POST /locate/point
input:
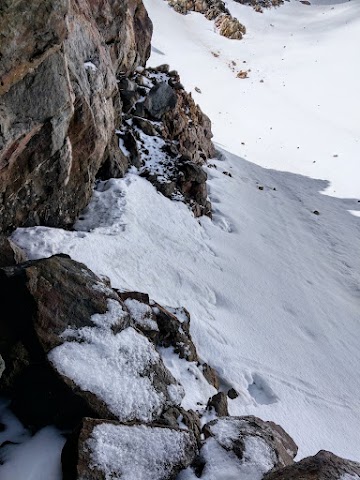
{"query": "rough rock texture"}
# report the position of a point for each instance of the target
(166, 135)
(163, 327)
(59, 101)
(323, 466)
(232, 432)
(227, 25)
(10, 253)
(100, 449)
(219, 403)
(55, 305)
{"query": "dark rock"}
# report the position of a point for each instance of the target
(10, 253)
(160, 100)
(232, 393)
(54, 304)
(281, 444)
(219, 403)
(323, 466)
(146, 126)
(100, 449)
(175, 415)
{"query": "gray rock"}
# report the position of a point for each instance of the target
(160, 100)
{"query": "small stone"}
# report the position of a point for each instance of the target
(232, 393)
(316, 212)
(197, 89)
(260, 187)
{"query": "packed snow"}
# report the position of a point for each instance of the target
(272, 282)
(137, 452)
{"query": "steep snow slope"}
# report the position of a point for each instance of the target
(305, 115)
(273, 289)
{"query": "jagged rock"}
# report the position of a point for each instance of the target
(230, 27)
(233, 434)
(59, 102)
(178, 416)
(323, 466)
(69, 349)
(101, 449)
(10, 253)
(219, 403)
(165, 328)
(160, 100)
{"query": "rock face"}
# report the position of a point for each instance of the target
(101, 449)
(66, 339)
(166, 135)
(59, 101)
(323, 466)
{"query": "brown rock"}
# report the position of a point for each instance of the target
(219, 403)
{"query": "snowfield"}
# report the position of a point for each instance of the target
(272, 283)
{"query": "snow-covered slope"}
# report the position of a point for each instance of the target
(273, 288)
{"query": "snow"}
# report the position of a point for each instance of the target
(112, 449)
(197, 389)
(113, 367)
(90, 66)
(272, 289)
(220, 463)
(141, 313)
(27, 457)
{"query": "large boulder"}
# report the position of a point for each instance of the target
(323, 466)
(10, 253)
(70, 351)
(101, 449)
(59, 102)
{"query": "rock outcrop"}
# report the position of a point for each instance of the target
(227, 25)
(166, 135)
(67, 343)
(101, 449)
(323, 466)
(59, 101)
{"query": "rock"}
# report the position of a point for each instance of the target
(232, 393)
(160, 100)
(219, 403)
(101, 449)
(230, 27)
(178, 416)
(210, 375)
(59, 102)
(70, 350)
(10, 253)
(165, 328)
(323, 466)
(235, 433)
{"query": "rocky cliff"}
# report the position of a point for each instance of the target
(60, 102)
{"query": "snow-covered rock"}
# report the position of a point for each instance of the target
(108, 450)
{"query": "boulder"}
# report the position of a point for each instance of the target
(59, 102)
(219, 403)
(70, 351)
(160, 100)
(323, 466)
(233, 434)
(101, 449)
